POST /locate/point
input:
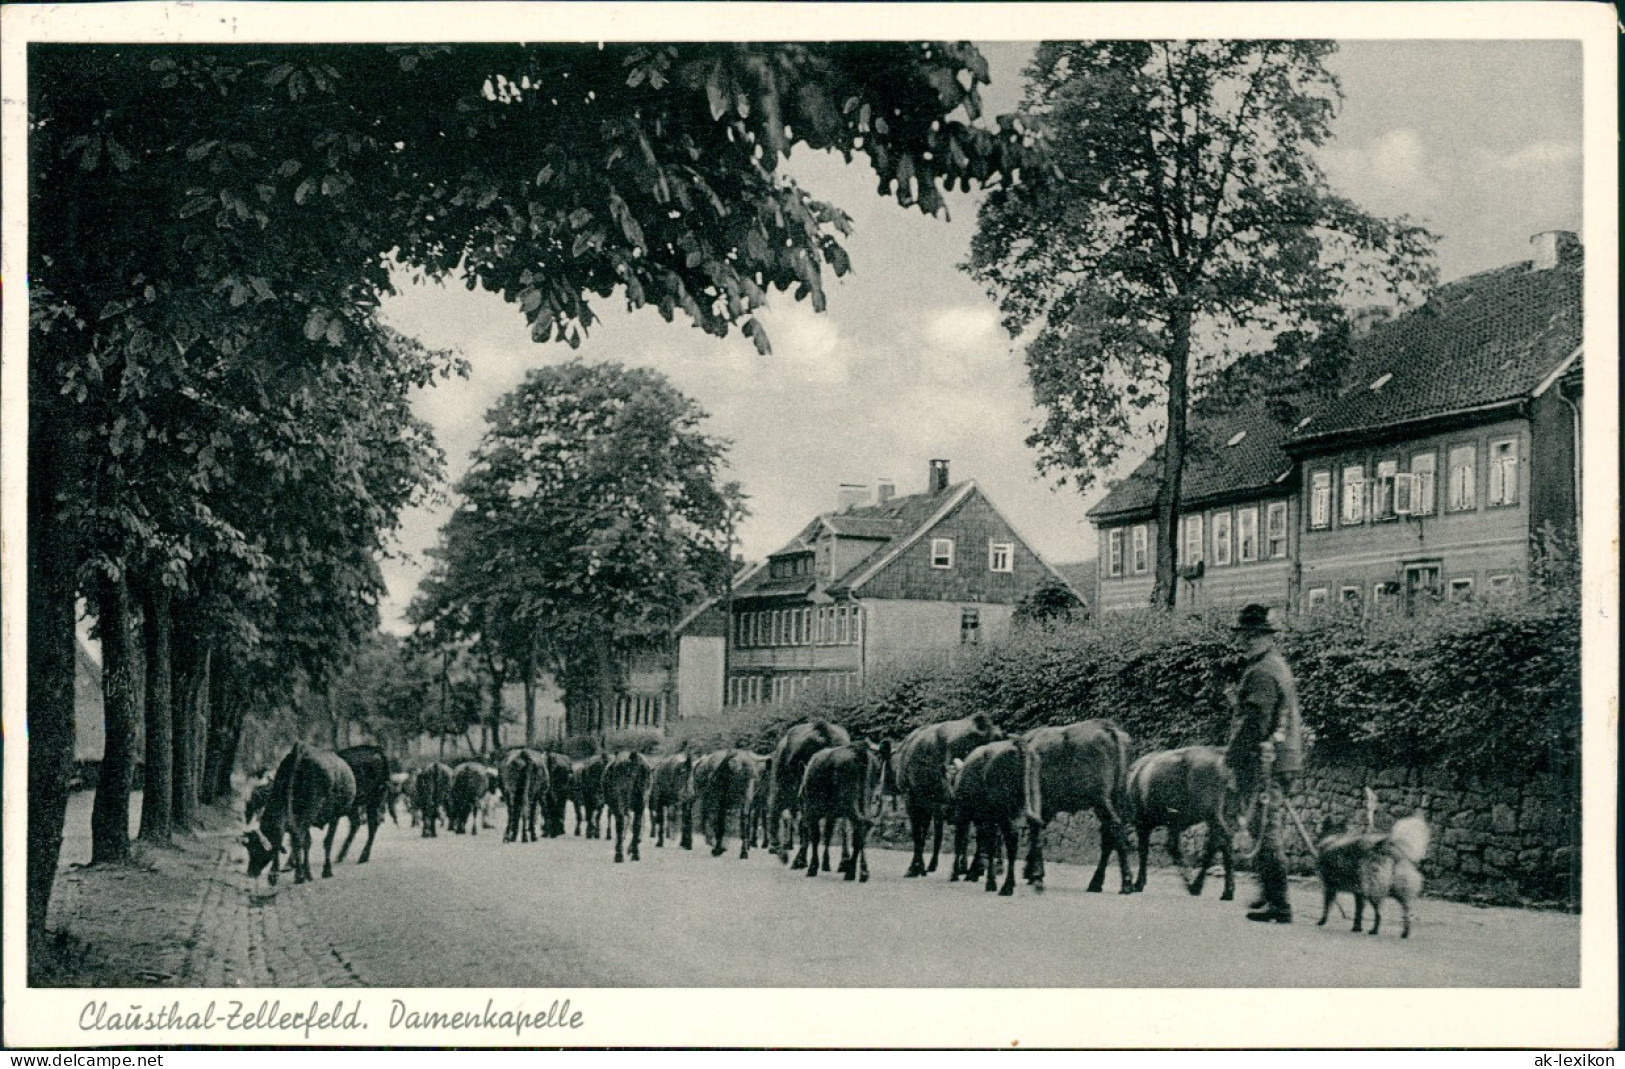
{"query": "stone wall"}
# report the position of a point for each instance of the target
(1491, 842)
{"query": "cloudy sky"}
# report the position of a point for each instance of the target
(1481, 141)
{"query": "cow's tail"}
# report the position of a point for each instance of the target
(1120, 788)
(721, 785)
(1031, 786)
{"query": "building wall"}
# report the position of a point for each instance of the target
(1553, 464)
(1129, 590)
(1477, 544)
(699, 675)
(1269, 580)
(972, 526)
(900, 630)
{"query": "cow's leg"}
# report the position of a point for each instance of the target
(851, 870)
(986, 842)
(936, 840)
(957, 867)
(1359, 911)
(637, 830)
(861, 854)
(374, 819)
(327, 846)
(355, 826)
(687, 817)
(1012, 846)
(975, 873)
(918, 818)
(846, 857)
(1328, 895)
(1376, 914)
(719, 842)
(657, 825)
(619, 819)
(1405, 917)
(1143, 842)
(810, 833)
(801, 847)
(1035, 855)
(1226, 836)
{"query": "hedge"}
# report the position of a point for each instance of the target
(1490, 689)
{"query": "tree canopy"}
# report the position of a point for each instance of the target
(1188, 216)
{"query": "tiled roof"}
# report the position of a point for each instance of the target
(887, 524)
(1488, 338)
(1081, 576)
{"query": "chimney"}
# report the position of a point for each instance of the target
(939, 477)
(1552, 247)
(852, 496)
(885, 490)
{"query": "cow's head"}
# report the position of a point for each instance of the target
(261, 853)
(986, 728)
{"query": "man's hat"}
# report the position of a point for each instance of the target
(1259, 618)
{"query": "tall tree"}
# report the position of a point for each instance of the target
(1186, 214)
(180, 194)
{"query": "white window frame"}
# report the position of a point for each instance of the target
(1505, 494)
(1318, 596)
(1141, 552)
(1244, 518)
(942, 553)
(1351, 510)
(1424, 481)
(1460, 585)
(1502, 585)
(1381, 598)
(1192, 554)
(1320, 499)
(1114, 553)
(1383, 490)
(1275, 544)
(1001, 556)
(1222, 528)
(1467, 487)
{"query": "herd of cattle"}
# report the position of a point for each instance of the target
(964, 773)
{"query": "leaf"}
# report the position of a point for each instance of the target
(198, 151)
(315, 324)
(196, 205)
(301, 194)
(278, 74)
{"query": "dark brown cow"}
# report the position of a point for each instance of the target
(1179, 789)
(525, 787)
(999, 788)
(560, 788)
(626, 793)
(432, 789)
(468, 785)
(370, 765)
(757, 835)
(922, 778)
(1086, 769)
(588, 778)
(400, 786)
(313, 789)
(669, 796)
(731, 782)
(842, 783)
(790, 758)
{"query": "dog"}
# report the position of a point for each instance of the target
(1373, 866)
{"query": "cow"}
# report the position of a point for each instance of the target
(370, 766)
(1179, 789)
(312, 789)
(921, 777)
(732, 781)
(669, 796)
(588, 777)
(525, 786)
(468, 784)
(626, 793)
(1086, 768)
(258, 795)
(757, 807)
(790, 758)
(431, 789)
(561, 786)
(400, 785)
(999, 787)
(842, 783)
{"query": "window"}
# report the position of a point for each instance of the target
(1317, 598)
(1350, 598)
(1001, 556)
(843, 628)
(1382, 596)
(798, 628)
(1247, 534)
(1275, 530)
(1320, 499)
(1504, 472)
(1114, 551)
(1142, 549)
(1192, 553)
(1423, 466)
(942, 553)
(807, 625)
(970, 627)
(1502, 585)
(1463, 468)
(1422, 585)
(1461, 589)
(1353, 510)
(1221, 538)
(1382, 491)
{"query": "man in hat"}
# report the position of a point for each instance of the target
(1266, 749)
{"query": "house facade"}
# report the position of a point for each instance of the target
(1451, 446)
(878, 583)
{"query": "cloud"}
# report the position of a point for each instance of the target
(1392, 170)
(1539, 155)
(807, 347)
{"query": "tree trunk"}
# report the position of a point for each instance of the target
(110, 814)
(52, 646)
(529, 670)
(157, 789)
(193, 660)
(605, 683)
(1166, 589)
(224, 702)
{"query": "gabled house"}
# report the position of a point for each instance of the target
(1450, 445)
(876, 583)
